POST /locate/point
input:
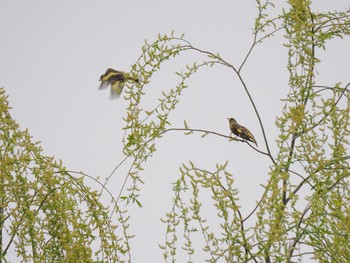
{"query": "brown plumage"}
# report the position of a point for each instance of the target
(241, 131)
(116, 79)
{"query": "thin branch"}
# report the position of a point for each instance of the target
(257, 41)
(225, 63)
(189, 130)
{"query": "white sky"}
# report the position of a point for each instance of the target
(53, 52)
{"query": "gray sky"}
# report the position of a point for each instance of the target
(53, 52)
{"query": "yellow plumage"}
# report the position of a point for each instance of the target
(116, 79)
(241, 131)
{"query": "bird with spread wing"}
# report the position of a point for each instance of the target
(116, 79)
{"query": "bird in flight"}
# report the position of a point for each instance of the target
(241, 131)
(116, 79)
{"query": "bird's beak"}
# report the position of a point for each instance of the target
(228, 119)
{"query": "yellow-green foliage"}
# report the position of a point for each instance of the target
(48, 215)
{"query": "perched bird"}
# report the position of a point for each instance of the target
(116, 79)
(241, 131)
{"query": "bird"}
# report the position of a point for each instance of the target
(241, 131)
(116, 79)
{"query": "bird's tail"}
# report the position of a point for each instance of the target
(133, 79)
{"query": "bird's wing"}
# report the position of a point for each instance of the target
(108, 76)
(116, 88)
(243, 132)
(103, 85)
(110, 70)
(250, 136)
(240, 131)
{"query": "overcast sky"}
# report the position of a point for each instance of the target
(53, 52)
